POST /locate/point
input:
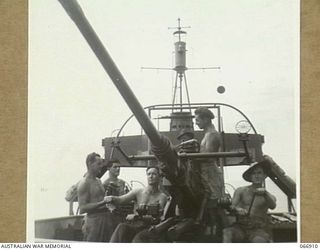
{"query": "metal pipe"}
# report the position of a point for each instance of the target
(207, 105)
(191, 155)
(210, 155)
(175, 90)
(187, 91)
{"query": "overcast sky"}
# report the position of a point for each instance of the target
(73, 104)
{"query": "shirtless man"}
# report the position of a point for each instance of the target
(251, 204)
(149, 206)
(91, 201)
(211, 141)
(211, 176)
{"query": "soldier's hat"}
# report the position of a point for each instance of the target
(247, 174)
(204, 112)
(184, 132)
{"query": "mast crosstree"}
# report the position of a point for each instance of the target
(179, 117)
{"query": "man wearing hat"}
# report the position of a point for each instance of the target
(210, 173)
(251, 204)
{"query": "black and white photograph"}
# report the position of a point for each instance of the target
(164, 121)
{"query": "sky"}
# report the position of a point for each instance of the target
(73, 104)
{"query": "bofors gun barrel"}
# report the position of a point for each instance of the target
(161, 146)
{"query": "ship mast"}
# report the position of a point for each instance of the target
(181, 116)
(180, 66)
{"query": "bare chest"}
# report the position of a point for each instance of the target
(204, 143)
(96, 191)
(248, 199)
(148, 199)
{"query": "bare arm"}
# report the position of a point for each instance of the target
(236, 202)
(271, 200)
(84, 199)
(124, 198)
(164, 205)
(163, 201)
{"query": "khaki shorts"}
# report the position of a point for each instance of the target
(97, 227)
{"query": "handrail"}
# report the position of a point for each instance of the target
(192, 106)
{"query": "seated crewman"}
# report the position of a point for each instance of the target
(251, 204)
(149, 206)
